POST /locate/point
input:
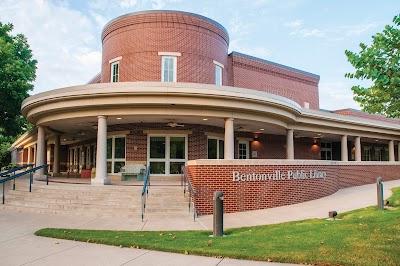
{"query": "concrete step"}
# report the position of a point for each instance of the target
(97, 201)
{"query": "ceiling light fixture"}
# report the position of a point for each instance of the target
(119, 118)
(205, 119)
(262, 129)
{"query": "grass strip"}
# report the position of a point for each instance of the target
(361, 237)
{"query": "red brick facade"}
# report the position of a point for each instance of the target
(254, 195)
(267, 146)
(356, 113)
(139, 37)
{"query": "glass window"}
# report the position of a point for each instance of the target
(175, 167)
(115, 154)
(168, 71)
(243, 150)
(378, 155)
(218, 75)
(115, 72)
(326, 151)
(157, 167)
(366, 154)
(215, 148)
(119, 148)
(157, 147)
(177, 148)
(212, 148)
(109, 148)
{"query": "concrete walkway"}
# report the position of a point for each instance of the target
(19, 246)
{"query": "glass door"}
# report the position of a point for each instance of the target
(167, 153)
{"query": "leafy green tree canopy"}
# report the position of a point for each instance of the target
(379, 62)
(17, 72)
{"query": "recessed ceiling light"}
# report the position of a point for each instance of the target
(205, 119)
(377, 140)
(261, 129)
(65, 139)
(119, 118)
(319, 134)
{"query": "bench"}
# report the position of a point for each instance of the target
(136, 170)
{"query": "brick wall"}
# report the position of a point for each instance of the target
(254, 195)
(138, 39)
(356, 113)
(256, 74)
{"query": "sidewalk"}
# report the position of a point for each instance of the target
(19, 246)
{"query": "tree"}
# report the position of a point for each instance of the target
(17, 72)
(379, 62)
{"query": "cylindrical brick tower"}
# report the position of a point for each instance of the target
(138, 41)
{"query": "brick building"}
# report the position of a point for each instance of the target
(169, 94)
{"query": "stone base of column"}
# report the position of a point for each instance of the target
(56, 174)
(100, 181)
(39, 177)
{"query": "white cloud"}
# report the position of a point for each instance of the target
(335, 95)
(64, 41)
(357, 30)
(128, 3)
(294, 24)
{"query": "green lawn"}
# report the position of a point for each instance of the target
(362, 237)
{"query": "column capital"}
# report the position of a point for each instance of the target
(102, 116)
(229, 119)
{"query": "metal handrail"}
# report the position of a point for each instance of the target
(145, 191)
(30, 171)
(13, 170)
(184, 180)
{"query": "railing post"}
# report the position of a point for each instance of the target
(47, 178)
(30, 182)
(3, 192)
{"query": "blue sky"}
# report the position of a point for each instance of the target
(309, 35)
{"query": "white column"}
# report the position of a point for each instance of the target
(289, 144)
(229, 142)
(40, 152)
(357, 141)
(345, 156)
(56, 166)
(398, 151)
(29, 155)
(391, 150)
(101, 154)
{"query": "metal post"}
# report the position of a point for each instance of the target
(3, 192)
(30, 182)
(379, 187)
(47, 178)
(218, 213)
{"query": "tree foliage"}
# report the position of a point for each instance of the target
(379, 62)
(17, 72)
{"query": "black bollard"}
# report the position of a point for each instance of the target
(218, 225)
(379, 188)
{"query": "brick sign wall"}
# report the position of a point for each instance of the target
(253, 187)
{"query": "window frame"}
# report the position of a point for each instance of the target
(366, 156)
(218, 145)
(325, 150)
(167, 152)
(112, 80)
(218, 75)
(174, 68)
(247, 149)
(114, 160)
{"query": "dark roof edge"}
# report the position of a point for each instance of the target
(276, 64)
(166, 12)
